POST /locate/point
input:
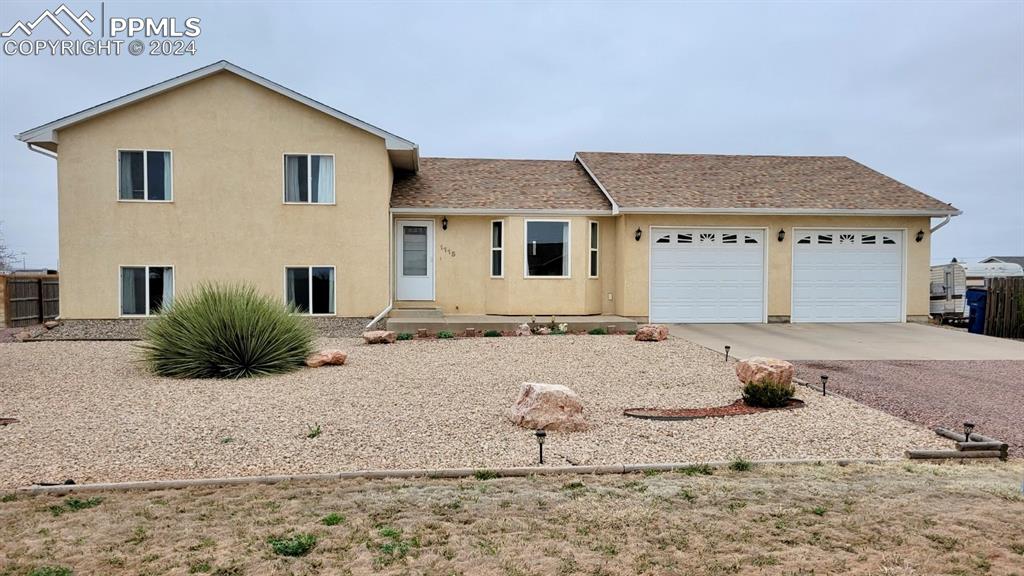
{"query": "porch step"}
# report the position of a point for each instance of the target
(424, 313)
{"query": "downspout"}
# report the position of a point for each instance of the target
(391, 267)
(941, 224)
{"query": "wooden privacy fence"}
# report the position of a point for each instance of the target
(29, 300)
(1004, 308)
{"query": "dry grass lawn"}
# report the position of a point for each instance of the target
(862, 519)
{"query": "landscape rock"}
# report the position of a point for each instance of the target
(50, 324)
(380, 337)
(760, 369)
(543, 331)
(22, 336)
(524, 330)
(326, 357)
(651, 333)
(548, 407)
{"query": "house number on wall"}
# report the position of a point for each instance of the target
(447, 250)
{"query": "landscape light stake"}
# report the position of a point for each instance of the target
(824, 381)
(540, 443)
(968, 429)
(727, 347)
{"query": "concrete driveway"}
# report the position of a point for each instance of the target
(849, 341)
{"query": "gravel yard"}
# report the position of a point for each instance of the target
(89, 412)
(132, 329)
(989, 393)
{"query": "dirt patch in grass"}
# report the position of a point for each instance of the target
(861, 519)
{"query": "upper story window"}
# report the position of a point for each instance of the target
(308, 179)
(144, 175)
(547, 248)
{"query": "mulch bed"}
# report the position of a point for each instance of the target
(737, 408)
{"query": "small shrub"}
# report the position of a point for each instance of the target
(485, 474)
(200, 567)
(445, 334)
(332, 519)
(73, 504)
(767, 394)
(51, 571)
(696, 470)
(226, 331)
(297, 545)
(404, 336)
(597, 331)
(740, 465)
(631, 332)
(819, 510)
(313, 431)
(492, 333)
(9, 497)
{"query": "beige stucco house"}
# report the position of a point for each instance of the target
(222, 175)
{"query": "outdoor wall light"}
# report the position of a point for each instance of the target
(968, 429)
(444, 223)
(920, 235)
(541, 435)
(638, 234)
(824, 381)
(782, 234)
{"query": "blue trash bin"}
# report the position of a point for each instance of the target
(976, 303)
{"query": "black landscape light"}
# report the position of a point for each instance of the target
(968, 429)
(920, 235)
(782, 234)
(638, 234)
(824, 381)
(444, 223)
(541, 435)
(727, 348)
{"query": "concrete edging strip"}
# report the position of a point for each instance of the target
(426, 473)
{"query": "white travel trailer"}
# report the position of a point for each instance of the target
(949, 284)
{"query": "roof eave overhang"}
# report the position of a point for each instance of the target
(795, 211)
(500, 211)
(406, 151)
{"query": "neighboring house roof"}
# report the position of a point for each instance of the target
(686, 183)
(472, 185)
(404, 153)
(1005, 259)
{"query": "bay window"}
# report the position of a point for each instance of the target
(547, 249)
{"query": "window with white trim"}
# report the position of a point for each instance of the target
(310, 289)
(497, 249)
(308, 179)
(594, 242)
(146, 290)
(547, 249)
(144, 175)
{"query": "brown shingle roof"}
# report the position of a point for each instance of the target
(755, 182)
(480, 184)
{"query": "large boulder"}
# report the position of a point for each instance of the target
(764, 370)
(326, 357)
(548, 407)
(651, 333)
(379, 337)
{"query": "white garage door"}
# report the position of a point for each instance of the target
(703, 275)
(848, 276)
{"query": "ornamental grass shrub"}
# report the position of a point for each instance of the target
(767, 393)
(226, 331)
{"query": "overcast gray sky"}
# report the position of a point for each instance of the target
(931, 94)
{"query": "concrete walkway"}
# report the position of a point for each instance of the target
(849, 341)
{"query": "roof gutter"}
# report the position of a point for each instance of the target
(615, 205)
(501, 211)
(795, 211)
(42, 151)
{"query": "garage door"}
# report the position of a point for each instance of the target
(848, 276)
(703, 275)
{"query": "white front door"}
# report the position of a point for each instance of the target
(703, 275)
(848, 276)
(414, 242)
